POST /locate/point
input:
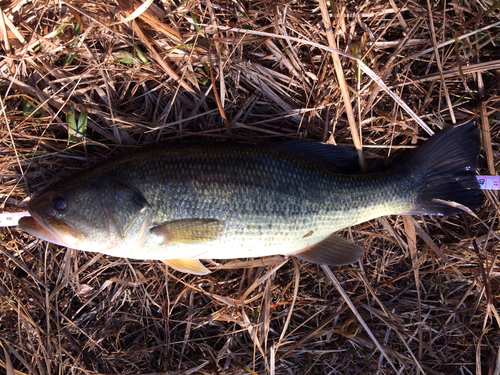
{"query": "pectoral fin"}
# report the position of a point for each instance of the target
(193, 266)
(332, 251)
(189, 230)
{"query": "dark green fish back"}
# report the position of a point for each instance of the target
(248, 184)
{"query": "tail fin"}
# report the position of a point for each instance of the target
(445, 168)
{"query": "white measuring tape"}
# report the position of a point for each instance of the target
(9, 219)
(489, 182)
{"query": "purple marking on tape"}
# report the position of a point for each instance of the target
(489, 182)
(9, 219)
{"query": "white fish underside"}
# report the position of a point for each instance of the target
(258, 235)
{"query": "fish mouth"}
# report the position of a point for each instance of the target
(49, 228)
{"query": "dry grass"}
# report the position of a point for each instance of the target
(423, 298)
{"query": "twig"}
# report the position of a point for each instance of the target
(346, 298)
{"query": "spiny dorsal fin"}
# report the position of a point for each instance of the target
(332, 251)
(193, 266)
(189, 230)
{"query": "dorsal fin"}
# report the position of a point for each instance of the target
(339, 159)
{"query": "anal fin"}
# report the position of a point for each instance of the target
(193, 266)
(332, 251)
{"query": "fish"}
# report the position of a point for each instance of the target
(182, 203)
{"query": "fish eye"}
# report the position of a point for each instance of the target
(59, 202)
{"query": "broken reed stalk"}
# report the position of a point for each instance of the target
(339, 71)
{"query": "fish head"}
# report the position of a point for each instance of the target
(49, 219)
(92, 215)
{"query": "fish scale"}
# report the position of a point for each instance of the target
(299, 197)
(223, 201)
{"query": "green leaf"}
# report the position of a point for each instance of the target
(69, 59)
(141, 56)
(29, 109)
(461, 99)
(129, 58)
(75, 35)
(180, 46)
(125, 61)
(60, 28)
(82, 122)
(79, 126)
(196, 23)
(71, 120)
(203, 80)
(332, 7)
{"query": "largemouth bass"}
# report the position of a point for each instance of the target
(180, 204)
